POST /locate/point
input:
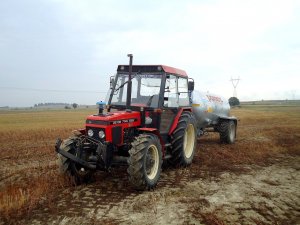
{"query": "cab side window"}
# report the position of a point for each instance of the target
(176, 92)
(183, 91)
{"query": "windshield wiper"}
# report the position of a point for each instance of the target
(122, 85)
(150, 100)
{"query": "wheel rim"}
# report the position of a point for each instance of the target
(189, 141)
(152, 161)
(232, 132)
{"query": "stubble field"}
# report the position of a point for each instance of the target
(254, 181)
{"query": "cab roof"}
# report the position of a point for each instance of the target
(152, 69)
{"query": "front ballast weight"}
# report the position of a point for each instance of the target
(72, 157)
(80, 156)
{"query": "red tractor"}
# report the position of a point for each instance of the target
(148, 118)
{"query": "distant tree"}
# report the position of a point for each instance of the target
(233, 101)
(67, 107)
(75, 105)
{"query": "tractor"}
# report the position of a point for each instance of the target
(148, 118)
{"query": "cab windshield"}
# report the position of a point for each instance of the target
(145, 90)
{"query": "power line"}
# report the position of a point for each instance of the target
(50, 90)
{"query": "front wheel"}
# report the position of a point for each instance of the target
(145, 162)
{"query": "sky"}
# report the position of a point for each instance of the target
(66, 50)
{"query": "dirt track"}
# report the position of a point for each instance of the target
(260, 195)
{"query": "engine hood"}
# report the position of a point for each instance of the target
(114, 118)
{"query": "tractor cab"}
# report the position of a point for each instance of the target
(152, 87)
(158, 92)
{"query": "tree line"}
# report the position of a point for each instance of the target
(49, 104)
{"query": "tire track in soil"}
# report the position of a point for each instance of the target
(97, 199)
(262, 195)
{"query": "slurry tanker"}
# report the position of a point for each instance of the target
(152, 114)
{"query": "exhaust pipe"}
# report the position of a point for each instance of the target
(128, 100)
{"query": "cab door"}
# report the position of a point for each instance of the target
(175, 97)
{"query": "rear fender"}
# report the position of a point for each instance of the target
(229, 118)
(176, 119)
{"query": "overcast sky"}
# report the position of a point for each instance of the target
(66, 50)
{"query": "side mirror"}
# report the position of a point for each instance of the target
(191, 85)
(112, 82)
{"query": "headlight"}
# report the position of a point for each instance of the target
(90, 133)
(101, 134)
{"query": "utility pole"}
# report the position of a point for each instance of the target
(235, 82)
(293, 92)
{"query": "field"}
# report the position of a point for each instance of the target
(254, 181)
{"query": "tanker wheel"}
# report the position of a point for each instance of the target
(227, 131)
(183, 140)
(74, 171)
(145, 162)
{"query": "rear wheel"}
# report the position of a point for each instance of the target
(74, 171)
(227, 131)
(145, 162)
(183, 140)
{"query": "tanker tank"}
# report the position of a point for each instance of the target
(208, 108)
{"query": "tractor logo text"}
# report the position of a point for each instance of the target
(123, 121)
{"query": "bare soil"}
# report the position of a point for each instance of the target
(259, 195)
(254, 181)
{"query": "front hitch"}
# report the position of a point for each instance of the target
(72, 157)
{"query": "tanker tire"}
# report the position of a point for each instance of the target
(184, 140)
(69, 168)
(145, 161)
(227, 131)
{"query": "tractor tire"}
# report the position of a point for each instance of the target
(73, 171)
(227, 131)
(184, 140)
(145, 162)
